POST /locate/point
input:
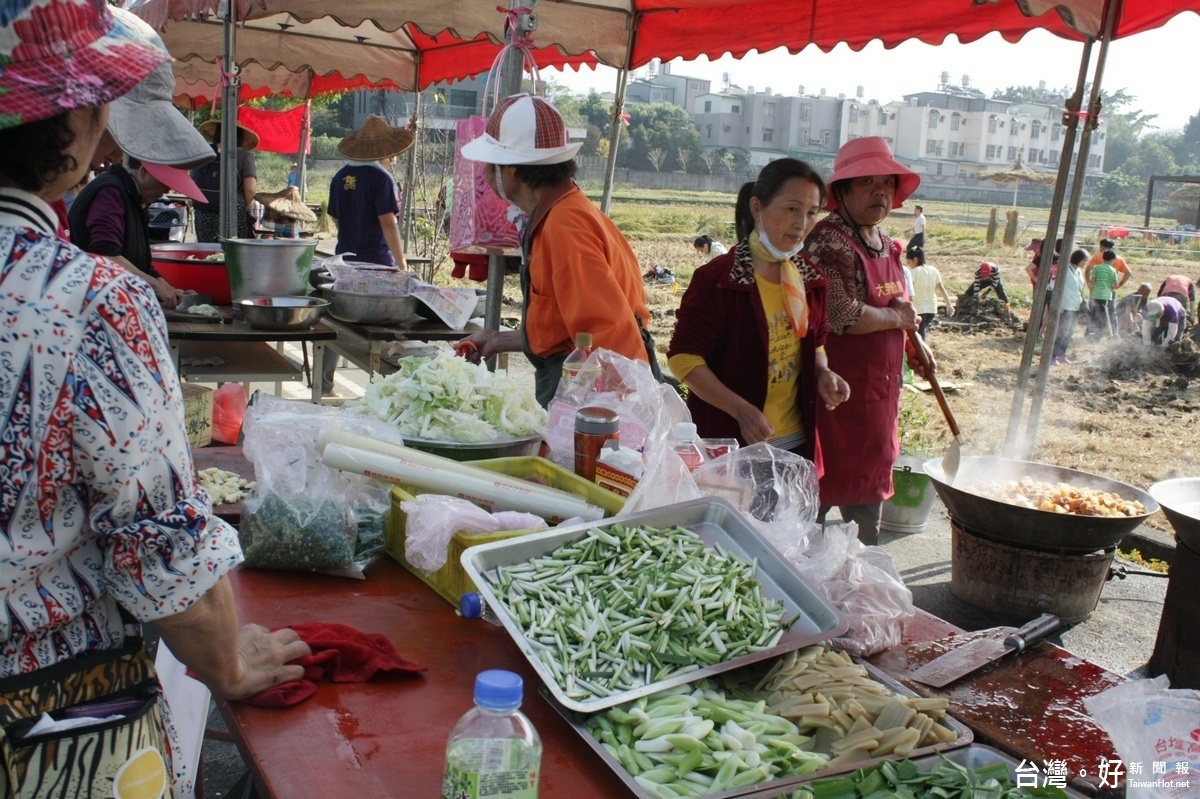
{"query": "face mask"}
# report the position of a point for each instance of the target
(776, 253)
(500, 185)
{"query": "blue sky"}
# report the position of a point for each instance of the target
(1143, 65)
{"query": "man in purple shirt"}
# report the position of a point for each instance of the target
(1165, 321)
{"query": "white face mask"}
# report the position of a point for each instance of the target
(776, 253)
(500, 185)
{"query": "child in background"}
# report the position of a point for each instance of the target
(1101, 283)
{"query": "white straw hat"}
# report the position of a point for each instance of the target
(523, 130)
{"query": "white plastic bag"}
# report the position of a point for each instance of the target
(1151, 724)
(776, 489)
(862, 583)
(433, 519)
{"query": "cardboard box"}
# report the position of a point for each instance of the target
(198, 414)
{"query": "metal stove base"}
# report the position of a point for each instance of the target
(1019, 584)
(1177, 650)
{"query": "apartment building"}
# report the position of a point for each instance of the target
(659, 85)
(768, 124)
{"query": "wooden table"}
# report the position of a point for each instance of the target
(246, 352)
(388, 737)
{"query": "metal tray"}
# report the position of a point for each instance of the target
(971, 756)
(714, 521)
(776, 788)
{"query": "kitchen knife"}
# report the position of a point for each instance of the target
(960, 662)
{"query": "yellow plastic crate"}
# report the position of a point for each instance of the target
(450, 581)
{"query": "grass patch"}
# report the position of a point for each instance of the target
(1153, 564)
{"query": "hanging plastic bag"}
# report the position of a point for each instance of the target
(776, 489)
(1150, 723)
(480, 221)
(862, 583)
(303, 516)
(229, 409)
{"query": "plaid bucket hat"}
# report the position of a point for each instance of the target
(61, 55)
(523, 130)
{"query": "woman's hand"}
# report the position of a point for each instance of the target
(487, 344)
(907, 318)
(168, 295)
(917, 361)
(265, 657)
(832, 389)
(753, 423)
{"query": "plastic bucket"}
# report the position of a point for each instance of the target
(184, 267)
(268, 267)
(907, 510)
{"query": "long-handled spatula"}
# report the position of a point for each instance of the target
(953, 455)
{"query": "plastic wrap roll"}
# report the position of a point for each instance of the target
(427, 472)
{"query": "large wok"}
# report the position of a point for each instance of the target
(1180, 501)
(1030, 528)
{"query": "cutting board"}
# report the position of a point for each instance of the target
(230, 459)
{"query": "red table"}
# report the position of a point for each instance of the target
(388, 738)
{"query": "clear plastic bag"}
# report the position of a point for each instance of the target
(302, 515)
(1149, 723)
(648, 411)
(433, 519)
(862, 583)
(776, 489)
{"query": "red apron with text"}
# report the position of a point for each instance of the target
(860, 439)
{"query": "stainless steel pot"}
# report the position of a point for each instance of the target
(282, 313)
(268, 267)
(370, 309)
(1028, 527)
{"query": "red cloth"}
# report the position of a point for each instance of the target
(466, 263)
(278, 131)
(341, 653)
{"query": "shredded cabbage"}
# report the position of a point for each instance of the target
(450, 399)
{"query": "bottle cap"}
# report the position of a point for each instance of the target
(471, 605)
(685, 431)
(498, 690)
(597, 421)
(583, 341)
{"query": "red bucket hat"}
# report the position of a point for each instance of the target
(60, 55)
(870, 155)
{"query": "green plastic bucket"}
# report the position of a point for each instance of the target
(907, 510)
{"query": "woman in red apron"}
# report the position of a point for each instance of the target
(869, 312)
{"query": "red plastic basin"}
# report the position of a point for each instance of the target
(182, 265)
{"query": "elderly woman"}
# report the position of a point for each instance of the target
(208, 178)
(749, 340)
(102, 522)
(578, 273)
(869, 313)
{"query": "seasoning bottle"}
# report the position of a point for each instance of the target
(493, 752)
(578, 356)
(593, 426)
(687, 446)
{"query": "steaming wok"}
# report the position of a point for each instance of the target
(1031, 528)
(1180, 500)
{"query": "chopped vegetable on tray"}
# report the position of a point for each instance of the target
(625, 607)
(448, 399)
(905, 780)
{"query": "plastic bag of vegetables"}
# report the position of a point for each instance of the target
(303, 516)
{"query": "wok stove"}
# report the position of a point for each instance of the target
(1177, 649)
(1020, 582)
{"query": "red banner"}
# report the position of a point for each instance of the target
(278, 131)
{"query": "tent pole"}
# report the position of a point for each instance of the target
(410, 170)
(229, 98)
(1071, 124)
(511, 72)
(305, 132)
(1112, 10)
(614, 139)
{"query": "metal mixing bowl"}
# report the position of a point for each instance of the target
(483, 450)
(282, 313)
(1180, 501)
(370, 309)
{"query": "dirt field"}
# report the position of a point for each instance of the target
(1118, 410)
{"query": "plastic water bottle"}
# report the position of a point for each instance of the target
(687, 446)
(474, 606)
(493, 751)
(578, 357)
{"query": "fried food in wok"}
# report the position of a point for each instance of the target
(1057, 498)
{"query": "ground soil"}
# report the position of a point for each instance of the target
(1118, 410)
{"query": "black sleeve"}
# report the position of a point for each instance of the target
(999, 287)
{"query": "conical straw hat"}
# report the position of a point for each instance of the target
(374, 140)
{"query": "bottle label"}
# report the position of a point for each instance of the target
(491, 768)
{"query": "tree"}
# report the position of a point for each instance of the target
(656, 126)
(1187, 148)
(728, 160)
(657, 156)
(709, 157)
(685, 156)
